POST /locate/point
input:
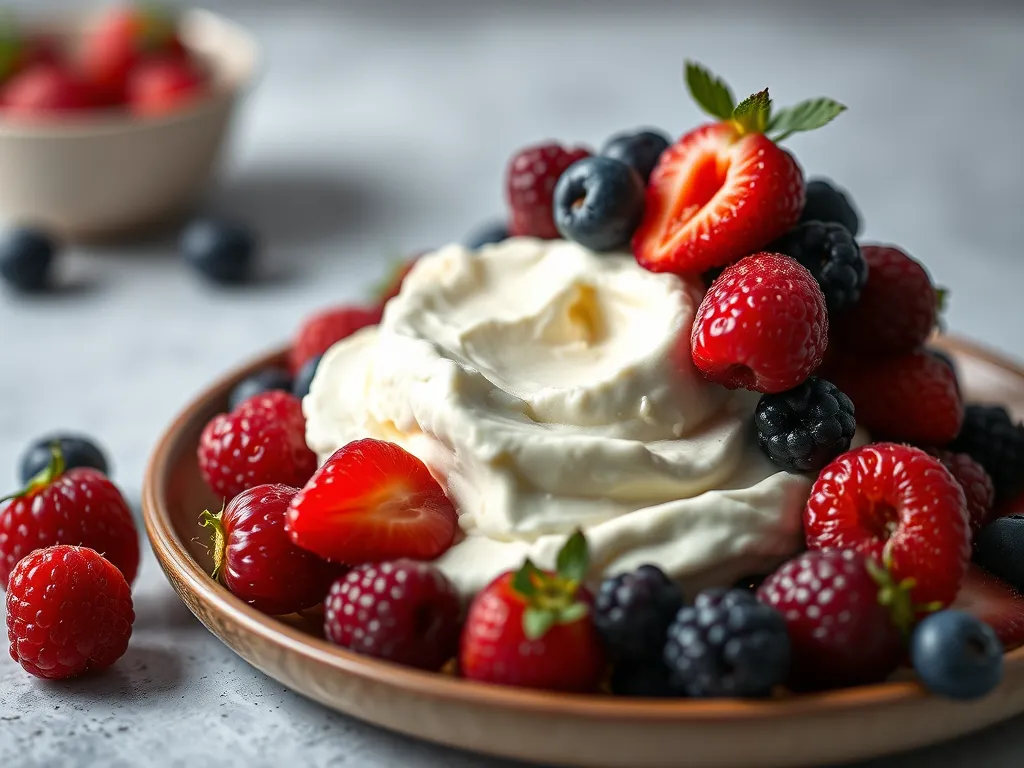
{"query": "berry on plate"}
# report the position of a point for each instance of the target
(762, 325)
(535, 629)
(977, 485)
(262, 441)
(372, 501)
(912, 397)
(726, 189)
(999, 549)
(77, 506)
(256, 560)
(69, 611)
(804, 428)
(633, 611)
(530, 186)
(265, 380)
(957, 655)
(598, 203)
(898, 506)
(844, 615)
(831, 254)
(827, 202)
(26, 259)
(639, 150)
(992, 438)
(996, 603)
(45, 90)
(485, 234)
(402, 611)
(897, 310)
(727, 644)
(321, 331)
(161, 85)
(221, 251)
(76, 451)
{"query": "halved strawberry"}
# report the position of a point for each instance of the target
(995, 602)
(725, 190)
(372, 501)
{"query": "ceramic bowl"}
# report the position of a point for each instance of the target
(107, 173)
(549, 728)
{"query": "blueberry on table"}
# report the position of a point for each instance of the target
(223, 252)
(957, 655)
(826, 202)
(262, 381)
(26, 258)
(599, 203)
(304, 378)
(77, 450)
(999, 549)
(485, 234)
(639, 150)
(632, 613)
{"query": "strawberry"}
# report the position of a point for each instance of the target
(372, 501)
(79, 507)
(726, 189)
(161, 85)
(762, 325)
(45, 90)
(530, 185)
(912, 397)
(898, 307)
(996, 603)
(323, 330)
(977, 485)
(262, 441)
(899, 506)
(534, 628)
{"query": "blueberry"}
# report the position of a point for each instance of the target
(78, 451)
(305, 377)
(26, 257)
(633, 610)
(598, 203)
(262, 381)
(957, 655)
(639, 150)
(485, 234)
(221, 251)
(999, 548)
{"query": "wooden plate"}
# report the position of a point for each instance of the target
(544, 727)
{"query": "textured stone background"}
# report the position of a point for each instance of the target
(380, 127)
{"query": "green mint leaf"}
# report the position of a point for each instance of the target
(536, 622)
(574, 559)
(752, 113)
(573, 613)
(805, 116)
(710, 92)
(524, 582)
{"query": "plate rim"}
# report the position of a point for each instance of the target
(184, 572)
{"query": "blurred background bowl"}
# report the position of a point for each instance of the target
(111, 174)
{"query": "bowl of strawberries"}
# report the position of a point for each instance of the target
(114, 122)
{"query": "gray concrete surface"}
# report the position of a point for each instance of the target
(383, 127)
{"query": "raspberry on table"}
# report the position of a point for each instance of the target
(996, 441)
(804, 428)
(633, 610)
(826, 202)
(727, 644)
(403, 611)
(69, 611)
(530, 187)
(831, 254)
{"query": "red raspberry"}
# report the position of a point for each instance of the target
(899, 506)
(530, 184)
(897, 309)
(255, 559)
(913, 397)
(69, 611)
(79, 507)
(762, 325)
(975, 481)
(843, 615)
(323, 330)
(403, 611)
(261, 441)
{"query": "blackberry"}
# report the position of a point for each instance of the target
(831, 254)
(994, 440)
(999, 549)
(633, 610)
(828, 203)
(727, 644)
(804, 428)
(642, 679)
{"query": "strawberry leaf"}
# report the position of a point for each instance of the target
(710, 92)
(573, 613)
(525, 580)
(805, 116)
(574, 559)
(10, 45)
(753, 112)
(536, 622)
